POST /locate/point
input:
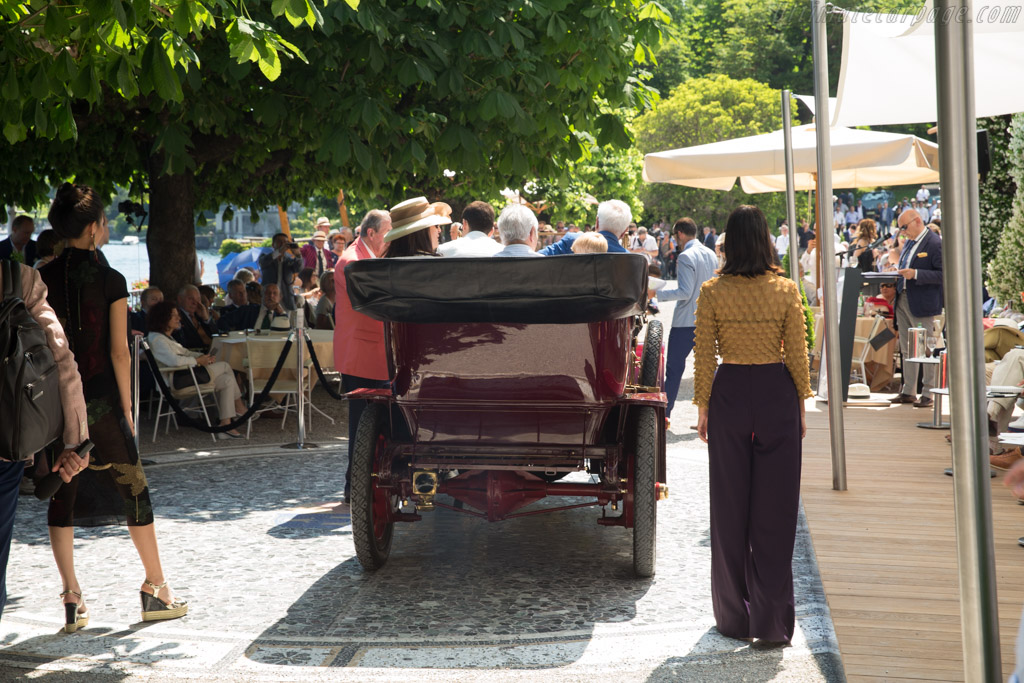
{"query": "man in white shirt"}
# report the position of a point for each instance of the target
(839, 216)
(478, 219)
(643, 243)
(923, 194)
(517, 226)
(782, 241)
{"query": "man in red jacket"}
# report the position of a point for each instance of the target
(359, 353)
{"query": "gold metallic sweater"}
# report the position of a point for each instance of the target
(749, 321)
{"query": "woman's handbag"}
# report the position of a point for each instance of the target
(182, 379)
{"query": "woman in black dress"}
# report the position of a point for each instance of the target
(90, 300)
(866, 234)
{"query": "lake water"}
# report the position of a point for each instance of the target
(132, 261)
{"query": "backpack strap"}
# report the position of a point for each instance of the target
(12, 279)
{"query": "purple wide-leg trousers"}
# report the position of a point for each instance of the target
(755, 449)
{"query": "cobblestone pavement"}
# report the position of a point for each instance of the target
(256, 539)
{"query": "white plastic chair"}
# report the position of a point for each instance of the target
(195, 391)
(860, 355)
(262, 354)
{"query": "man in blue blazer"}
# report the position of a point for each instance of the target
(20, 246)
(613, 217)
(918, 300)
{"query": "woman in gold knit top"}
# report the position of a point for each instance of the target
(751, 415)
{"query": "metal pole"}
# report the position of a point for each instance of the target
(136, 338)
(958, 155)
(299, 336)
(826, 247)
(787, 138)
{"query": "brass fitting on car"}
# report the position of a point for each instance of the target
(662, 491)
(424, 486)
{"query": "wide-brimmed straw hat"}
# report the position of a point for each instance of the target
(416, 214)
(319, 235)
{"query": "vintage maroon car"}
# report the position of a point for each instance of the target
(507, 375)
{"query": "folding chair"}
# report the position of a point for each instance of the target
(860, 355)
(194, 391)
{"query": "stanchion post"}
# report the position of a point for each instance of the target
(961, 246)
(299, 335)
(136, 339)
(826, 249)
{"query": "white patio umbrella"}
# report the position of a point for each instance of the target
(897, 51)
(860, 158)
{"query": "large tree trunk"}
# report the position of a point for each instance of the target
(171, 239)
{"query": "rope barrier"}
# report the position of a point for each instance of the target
(320, 373)
(189, 421)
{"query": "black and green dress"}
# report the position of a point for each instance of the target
(113, 490)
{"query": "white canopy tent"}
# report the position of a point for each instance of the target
(860, 158)
(897, 52)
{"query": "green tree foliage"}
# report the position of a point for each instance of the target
(605, 173)
(700, 111)
(210, 106)
(767, 41)
(997, 191)
(1006, 276)
(808, 314)
(672, 68)
(230, 246)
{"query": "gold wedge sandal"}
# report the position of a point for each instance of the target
(155, 609)
(74, 618)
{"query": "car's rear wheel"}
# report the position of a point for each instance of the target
(373, 506)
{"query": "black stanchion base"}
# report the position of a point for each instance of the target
(305, 446)
(932, 425)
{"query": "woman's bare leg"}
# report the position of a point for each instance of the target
(62, 542)
(144, 538)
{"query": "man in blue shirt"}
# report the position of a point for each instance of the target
(695, 265)
(613, 217)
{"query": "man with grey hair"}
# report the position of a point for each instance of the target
(359, 350)
(197, 329)
(613, 217)
(517, 226)
(239, 314)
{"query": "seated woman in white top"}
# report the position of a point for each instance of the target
(162, 320)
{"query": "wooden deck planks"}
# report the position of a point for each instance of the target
(886, 548)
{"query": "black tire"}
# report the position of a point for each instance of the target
(650, 364)
(371, 537)
(645, 498)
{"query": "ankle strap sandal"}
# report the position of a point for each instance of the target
(155, 609)
(74, 613)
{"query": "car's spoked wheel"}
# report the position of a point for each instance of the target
(650, 363)
(373, 507)
(643, 482)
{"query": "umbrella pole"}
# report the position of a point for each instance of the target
(817, 235)
(958, 154)
(787, 137)
(282, 216)
(826, 248)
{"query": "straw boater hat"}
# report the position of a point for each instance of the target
(416, 214)
(319, 235)
(324, 222)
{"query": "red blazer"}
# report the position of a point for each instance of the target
(308, 252)
(358, 339)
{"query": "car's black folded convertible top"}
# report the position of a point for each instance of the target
(578, 288)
